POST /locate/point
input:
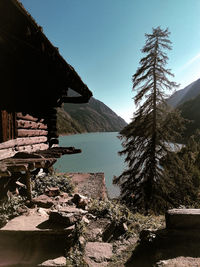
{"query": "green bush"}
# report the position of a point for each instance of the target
(62, 181)
(10, 209)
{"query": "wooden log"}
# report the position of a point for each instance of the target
(33, 148)
(5, 174)
(65, 150)
(32, 163)
(28, 117)
(31, 124)
(7, 153)
(18, 167)
(28, 185)
(23, 141)
(29, 133)
(10, 152)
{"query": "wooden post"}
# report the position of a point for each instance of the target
(28, 185)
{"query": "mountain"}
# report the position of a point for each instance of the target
(187, 101)
(190, 110)
(94, 116)
(65, 123)
(183, 95)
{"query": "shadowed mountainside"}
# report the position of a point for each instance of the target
(94, 116)
(181, 96)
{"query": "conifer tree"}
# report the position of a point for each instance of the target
(147, 137)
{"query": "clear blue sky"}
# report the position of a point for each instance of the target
(102, 40)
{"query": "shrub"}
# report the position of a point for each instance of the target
(60, 180)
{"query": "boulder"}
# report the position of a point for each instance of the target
(80, 201)
(63, 218)
(183, 219)
(60, 261)
(179, 262)
(98, 252)
(69, 209)
(114, 230)
(52, 191)
(95, 234)
(43, 201)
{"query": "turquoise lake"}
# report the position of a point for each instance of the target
(99, 154)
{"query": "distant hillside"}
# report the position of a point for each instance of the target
(183, 95)
(94, 116)
(191, 110)
(187, 101)
(66, 125)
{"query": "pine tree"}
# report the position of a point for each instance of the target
(146, 139)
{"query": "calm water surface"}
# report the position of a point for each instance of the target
(99, 154)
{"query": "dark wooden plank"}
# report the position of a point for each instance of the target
(18, 167)
(5, 174)
(28, 185)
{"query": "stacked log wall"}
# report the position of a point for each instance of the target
(32, 135)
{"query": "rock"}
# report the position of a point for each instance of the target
(95, 234)
(179, 262)
(92, 263)
(42, 211)
(70, 209)
(114, 230)
(98, 252)
(91, 216)
(63, 218)
(52, 191)
(85, 220)
(81, 241)
(183, 219)
(80, 201)
(108, 232)
(61, 261)
(22, 210)
(64, 195)
(43, 201)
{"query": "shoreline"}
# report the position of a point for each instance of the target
(69, 134)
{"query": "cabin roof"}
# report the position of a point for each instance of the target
(31, 66)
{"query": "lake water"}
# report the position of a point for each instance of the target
(99, 154)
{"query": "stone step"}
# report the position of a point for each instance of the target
(183, 219)
(31, 240)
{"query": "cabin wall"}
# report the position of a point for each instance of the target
(33, 132)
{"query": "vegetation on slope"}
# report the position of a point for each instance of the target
(190, 110)
(94, 116)
(67, 125)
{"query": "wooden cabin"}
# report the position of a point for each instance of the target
(34, 81)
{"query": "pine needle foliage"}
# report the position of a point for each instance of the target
(182, 175)
(146, 139)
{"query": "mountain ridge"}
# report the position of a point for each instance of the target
(187, 93)
(93, 116)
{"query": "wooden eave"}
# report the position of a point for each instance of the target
(33, 61)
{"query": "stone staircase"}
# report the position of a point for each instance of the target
(33, 239)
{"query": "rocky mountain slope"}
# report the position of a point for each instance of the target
(191, 110)
(94, 116)
(181, 96)
(187, 101)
